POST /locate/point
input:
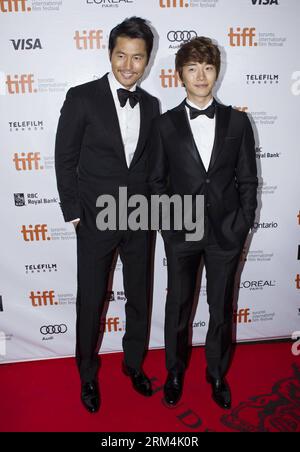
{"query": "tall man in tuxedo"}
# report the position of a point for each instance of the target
(100, 146)
(203, 148)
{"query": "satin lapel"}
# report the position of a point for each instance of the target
(109, 117)
(145, 122)
(222, 122)
(182, 126)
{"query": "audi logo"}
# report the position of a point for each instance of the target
(178, 36)
(53, 329)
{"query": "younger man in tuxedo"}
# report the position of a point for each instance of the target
(100, 146)
(202, 147)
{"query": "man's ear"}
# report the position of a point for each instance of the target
(109, 54)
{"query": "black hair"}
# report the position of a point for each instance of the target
(132, 27)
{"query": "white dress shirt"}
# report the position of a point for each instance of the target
(203, 129)
(129, 121)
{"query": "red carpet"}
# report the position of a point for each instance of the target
(264, 378)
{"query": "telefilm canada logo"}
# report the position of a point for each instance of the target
(262, 79)
(26, 125)
(40, 268)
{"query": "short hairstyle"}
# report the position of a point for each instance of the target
(134, 28)
(199, 50)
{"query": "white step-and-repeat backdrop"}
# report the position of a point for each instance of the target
(48, 46)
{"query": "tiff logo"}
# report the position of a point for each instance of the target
(242, 316)
(22, 84)
(111, 324)
(46, 298)
(173, 3)
(298, 216)
(89, 40)
(169, 80)
(297, 280)
(35, 233)
(14, 6)
(27, 162)
(242, 38)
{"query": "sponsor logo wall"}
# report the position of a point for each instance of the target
(63, 43)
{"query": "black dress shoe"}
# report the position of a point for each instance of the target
(173, 388)
(90, 396)
(140, 381)
(220, 391)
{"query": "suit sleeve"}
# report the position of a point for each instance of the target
(158, 166)
(69, 136)
(246, 173)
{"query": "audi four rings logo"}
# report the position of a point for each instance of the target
(178, 36)
(53, 329)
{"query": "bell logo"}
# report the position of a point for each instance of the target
(14, 6)
(170, 80)
(35, 233)
(297, 281)
(20, 84)
(173, 3)
(241, 316)
(46, 298)
(89, 40)
(242, 37)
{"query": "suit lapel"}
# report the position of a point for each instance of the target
(182, 126)
(145, 121)
(222, 122)
(109, 117)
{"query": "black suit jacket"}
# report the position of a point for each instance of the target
(230, 184)
(89, 153)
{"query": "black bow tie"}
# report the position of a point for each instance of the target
(209, 111)
(124, 94)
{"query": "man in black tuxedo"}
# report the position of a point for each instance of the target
(100, 146)
(203, 148)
